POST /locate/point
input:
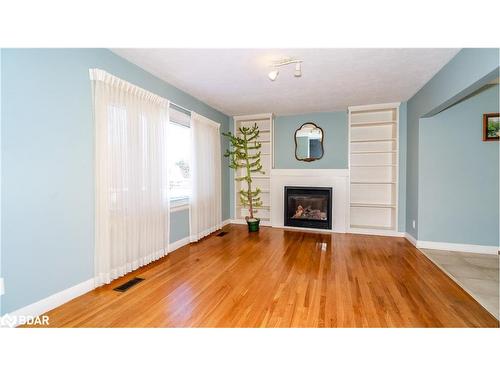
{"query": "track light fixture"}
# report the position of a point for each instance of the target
(298, 70)
(274, 73)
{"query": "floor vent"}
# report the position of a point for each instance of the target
(221, 234)
(129, 284)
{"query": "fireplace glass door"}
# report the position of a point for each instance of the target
(308, 207)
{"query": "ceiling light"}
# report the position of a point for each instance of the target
(273, 75)
(288, 61)
(298, 71)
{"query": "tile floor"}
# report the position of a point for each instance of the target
(476, 273)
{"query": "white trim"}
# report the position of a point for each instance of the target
(178, 244)
(412, 239)
(243, 222)
(374, 106)
(180, 207)
(448, 246)
(205, 233)
(376, 232)
(271, 149)
(330, 231)
(260, 116)
(226, 222)
(55, 300)
(310, 172)
(303, 229)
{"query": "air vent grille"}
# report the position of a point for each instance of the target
(129, 284)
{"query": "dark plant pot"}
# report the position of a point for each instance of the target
(253, 226)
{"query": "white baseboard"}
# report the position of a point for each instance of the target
(376, 232)
(449, 246)
(184, 241)
(177, 244)
(243, 222)
(300, 229)
(467, 248)
(412, 239)
(55, 300)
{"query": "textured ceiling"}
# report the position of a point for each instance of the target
(235, 81)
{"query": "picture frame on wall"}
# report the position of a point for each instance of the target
(491, 127)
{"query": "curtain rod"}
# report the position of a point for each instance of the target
(181, 107)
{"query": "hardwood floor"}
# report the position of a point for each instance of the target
(282, 278)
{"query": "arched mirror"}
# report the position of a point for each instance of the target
(309, 142)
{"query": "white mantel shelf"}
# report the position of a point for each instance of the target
(337, 179)
(310, 172)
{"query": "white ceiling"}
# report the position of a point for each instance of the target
(235, 81)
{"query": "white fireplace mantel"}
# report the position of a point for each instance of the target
(337, 179)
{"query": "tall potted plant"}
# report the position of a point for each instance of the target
(245, 155)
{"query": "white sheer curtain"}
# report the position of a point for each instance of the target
(131, 202)
(205, 210)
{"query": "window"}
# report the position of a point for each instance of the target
(179, 156)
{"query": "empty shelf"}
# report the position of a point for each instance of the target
(372, 123)
(373, 205)
(372, 182)
(374, 165)
(374, 140)
(379, 227)
(374, 152)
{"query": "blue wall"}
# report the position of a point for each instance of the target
(47, 166)
(458, 199)
(179, 225)
(335, 140)
(464, 74)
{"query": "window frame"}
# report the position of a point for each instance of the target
(182, 202)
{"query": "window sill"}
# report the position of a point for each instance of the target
(180, 207)
(179, 204)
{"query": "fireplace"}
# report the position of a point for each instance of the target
(309, 207)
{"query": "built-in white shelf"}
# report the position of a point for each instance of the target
(261, 131)
(374, 182)
(258, 178)
(373, 140)
(374, 152)
(258, 208)
(372, 123)
(373, 205)
(263, 182)
(376, 227)
(373, 165)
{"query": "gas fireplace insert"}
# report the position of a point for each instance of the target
(309, 207)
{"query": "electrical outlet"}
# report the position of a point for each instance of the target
(413, 224)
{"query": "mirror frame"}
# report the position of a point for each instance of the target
(322, 137)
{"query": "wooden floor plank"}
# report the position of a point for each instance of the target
(282, 278)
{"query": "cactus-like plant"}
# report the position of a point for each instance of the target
(245, 154)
